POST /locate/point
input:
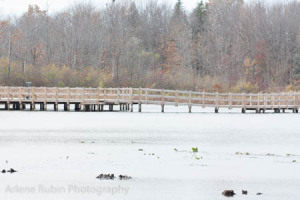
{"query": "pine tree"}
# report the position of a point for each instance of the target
(178, 10)
(199, 15)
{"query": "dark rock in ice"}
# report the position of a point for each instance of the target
(11, 170)
(244, 192)
(106, 176)
(124, 177)
(228, 193)
(259, 193)
(100, 176)
(3, 171)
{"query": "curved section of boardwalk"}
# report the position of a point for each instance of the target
(94, 99)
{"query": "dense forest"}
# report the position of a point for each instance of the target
(222, 45)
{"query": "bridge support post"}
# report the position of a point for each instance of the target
(17, 106)
(131, 108)
(7, 106)
(243, 110)
(23, 106)
(140, 107)
(190, 108)
(216, 110)
(77, 107)
(32, 106)
(162, 108)
(66, 107)
(42, 107)
(111, 108)
(87, 108)
(55, 107)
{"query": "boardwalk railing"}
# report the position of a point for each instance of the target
(17, 98)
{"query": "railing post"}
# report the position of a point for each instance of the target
(56, 99)
(131, 99)
(32, 108)
(216, 102)
(68, 100)
(45, 99)
(190, 101)
(176, 100)
(146, 95)
(140, 100)
(288, 100)
(83, 99)
(280, 99)
(244, 100)
(265, 103)
(297, 102)
(98, 98)
(203, 99)
(258, 103)
(68, 95)
(104, 95)
(162, 100)
(8, 99)
(20, 98)
(273, 100)
(118, 96)
(230, 101)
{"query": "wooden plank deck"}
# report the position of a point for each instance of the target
(95, 99)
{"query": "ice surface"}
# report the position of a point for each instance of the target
(58, 155)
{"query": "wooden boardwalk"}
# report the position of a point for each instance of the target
(96, 99)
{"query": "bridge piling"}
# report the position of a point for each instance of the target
(55, 107)
(216, 110)
(32, 106)
(41, 106)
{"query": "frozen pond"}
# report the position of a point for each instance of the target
(58, 155)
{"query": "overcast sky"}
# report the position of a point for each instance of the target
(20, 6)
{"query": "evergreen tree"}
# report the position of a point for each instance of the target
(178, 10)
(199, 15)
